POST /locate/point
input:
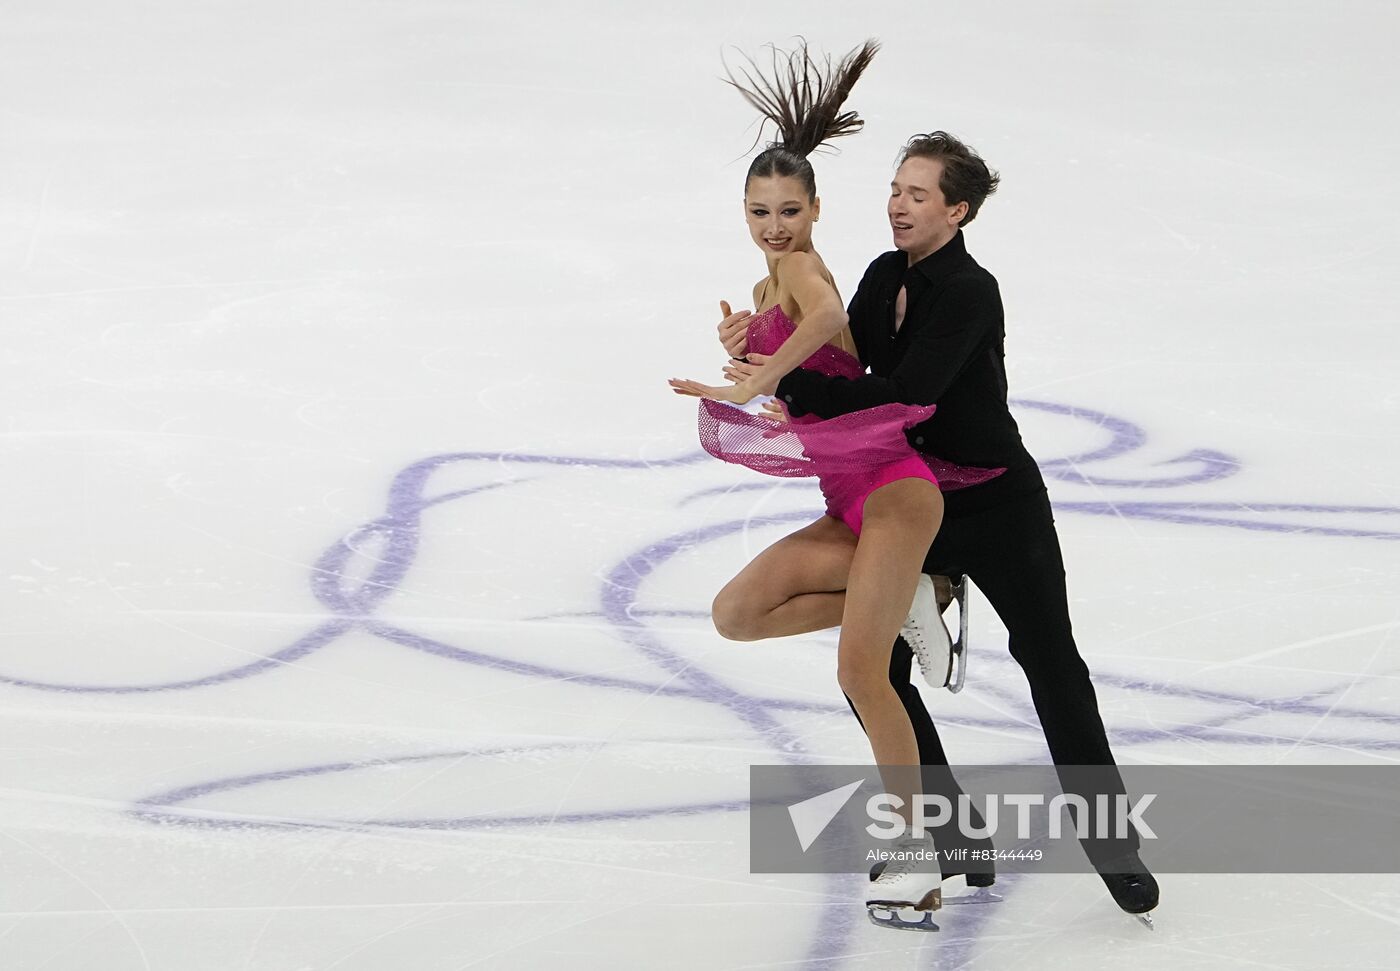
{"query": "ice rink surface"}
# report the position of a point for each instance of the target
(357, 559)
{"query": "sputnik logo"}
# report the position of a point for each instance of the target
(811, 816)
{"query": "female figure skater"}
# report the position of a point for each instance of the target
(858, 566)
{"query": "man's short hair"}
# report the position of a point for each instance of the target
(965, 178)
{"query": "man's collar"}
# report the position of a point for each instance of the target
(944, 259)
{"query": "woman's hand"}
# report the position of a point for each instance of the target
(734, 330)
(739, 394)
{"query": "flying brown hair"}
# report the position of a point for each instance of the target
(803, 100)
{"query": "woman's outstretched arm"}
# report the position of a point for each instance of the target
(821, 317)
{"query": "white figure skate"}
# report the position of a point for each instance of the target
(908, 889)
(942, 661)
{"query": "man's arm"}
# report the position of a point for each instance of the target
(968, 313)
(860, 314)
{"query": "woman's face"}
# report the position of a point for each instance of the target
(779, 214)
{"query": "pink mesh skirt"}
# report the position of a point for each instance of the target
(850, 455)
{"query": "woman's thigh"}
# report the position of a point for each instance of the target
(814, 559)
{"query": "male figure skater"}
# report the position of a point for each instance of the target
(927, 321)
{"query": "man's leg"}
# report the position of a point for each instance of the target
(1019, 568)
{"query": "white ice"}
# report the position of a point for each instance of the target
(258, 259)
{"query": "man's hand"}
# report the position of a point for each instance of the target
(774, 410)
(750, 370)
(749, 377)
(734, 330)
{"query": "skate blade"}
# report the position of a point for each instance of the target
(902, 918)
(979, 896)
(958, 661)
(1145, 918)
(957, 674)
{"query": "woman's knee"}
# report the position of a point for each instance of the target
(735, 616)
(865, 684)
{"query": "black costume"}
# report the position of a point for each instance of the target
(949, 351)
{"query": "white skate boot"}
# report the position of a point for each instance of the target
(908, 890)
(942, 661)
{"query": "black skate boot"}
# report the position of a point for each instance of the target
(1133, 887)
(974, 879)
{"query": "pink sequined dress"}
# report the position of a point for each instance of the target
(851, 455)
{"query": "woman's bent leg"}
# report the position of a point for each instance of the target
(795, 586)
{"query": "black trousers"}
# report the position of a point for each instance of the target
(1012, 553)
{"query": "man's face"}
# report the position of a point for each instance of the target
(920, 217)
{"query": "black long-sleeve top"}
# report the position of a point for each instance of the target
(949, 351)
